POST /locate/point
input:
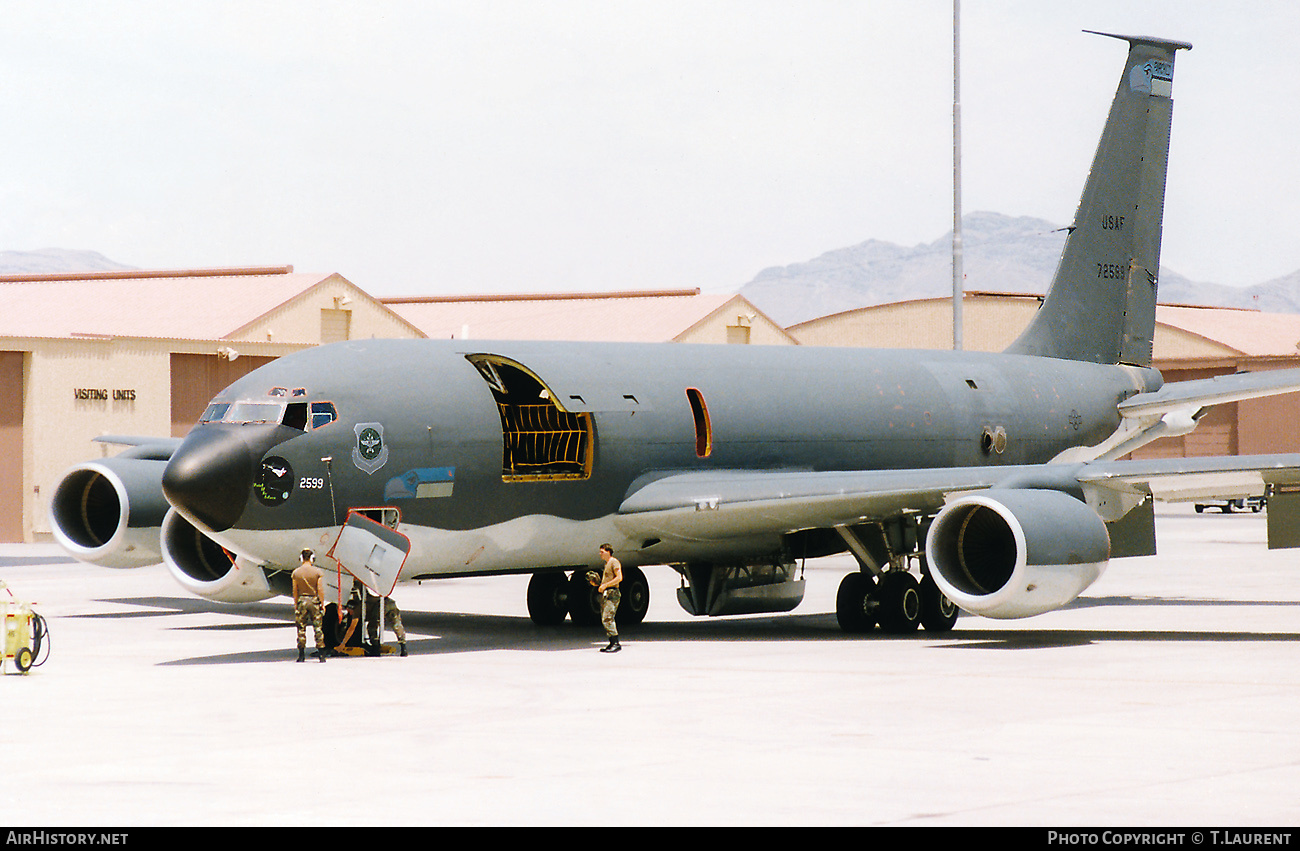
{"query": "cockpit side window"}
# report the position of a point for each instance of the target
(295, 415)
(322, 414)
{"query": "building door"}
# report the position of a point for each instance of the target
(11, 447)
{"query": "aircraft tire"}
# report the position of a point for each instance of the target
(635, 593)
(548, 598)
(584, 608)
(853, 604)
(938, 613)
(899, 596)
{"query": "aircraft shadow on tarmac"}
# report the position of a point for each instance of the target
(433, 633)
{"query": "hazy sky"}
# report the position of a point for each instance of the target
(489, 146)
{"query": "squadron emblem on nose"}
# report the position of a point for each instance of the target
(370, 452)
(274, 481)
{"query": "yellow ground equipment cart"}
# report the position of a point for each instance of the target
(24, 634)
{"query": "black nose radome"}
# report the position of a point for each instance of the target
(210, 475)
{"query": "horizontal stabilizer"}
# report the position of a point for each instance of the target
(1203, 392)
(1175, 409)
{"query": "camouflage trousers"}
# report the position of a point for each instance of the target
(392, 619)
(608, 608)
(304, 608)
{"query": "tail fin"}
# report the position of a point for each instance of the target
(1102, 302)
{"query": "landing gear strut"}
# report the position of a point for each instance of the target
(886, 591)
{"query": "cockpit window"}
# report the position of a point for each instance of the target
(322, 414)
(254, 412)
(243, 412)
(299, 415)
(295, 415)
(215, 412)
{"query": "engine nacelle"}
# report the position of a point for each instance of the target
(108, 512)
(1016, 553)
(205, 569)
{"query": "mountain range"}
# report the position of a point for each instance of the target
(55, 261)
(999, 254)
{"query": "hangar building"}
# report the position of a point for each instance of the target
(642, 316)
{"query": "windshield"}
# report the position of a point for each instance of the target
(244, 412)
(296, 414)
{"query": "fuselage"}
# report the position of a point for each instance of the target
(512, 456)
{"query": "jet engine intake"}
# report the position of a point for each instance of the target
(1016, 553)
(108, 512)
(205, 569)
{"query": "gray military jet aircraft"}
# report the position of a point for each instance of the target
(984, 480)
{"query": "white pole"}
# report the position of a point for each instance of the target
(957, 275)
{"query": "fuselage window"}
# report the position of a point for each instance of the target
(703, 428)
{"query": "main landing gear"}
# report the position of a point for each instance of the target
(886, 590)
(896, 601)
(552, 596)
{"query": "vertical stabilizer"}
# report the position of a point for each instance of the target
(1101, 304)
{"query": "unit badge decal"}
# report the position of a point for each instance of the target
(371, 452)
(274, 481)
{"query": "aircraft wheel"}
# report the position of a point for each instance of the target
(548, 598)
(899, 596)
(854, 608)
(938, 613)
(635, 597)
(584, 607)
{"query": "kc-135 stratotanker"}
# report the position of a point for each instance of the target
(992, 481)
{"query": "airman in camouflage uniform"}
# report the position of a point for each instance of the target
(610, 597)
(309, 601)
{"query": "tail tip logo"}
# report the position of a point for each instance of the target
(1153, 77)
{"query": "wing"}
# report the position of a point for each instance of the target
(725, 505)
(720, 505)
